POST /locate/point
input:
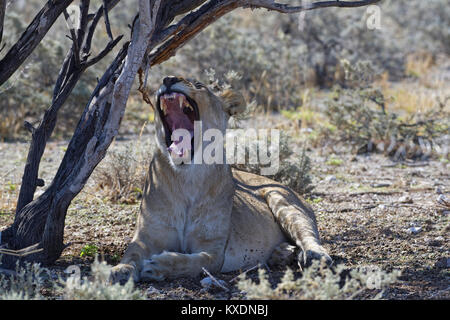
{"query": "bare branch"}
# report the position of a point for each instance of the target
(108, 26)
(190, 26)
(285, 8)
(104, 52)
(74, 38)
(212, 10)
(31, 37)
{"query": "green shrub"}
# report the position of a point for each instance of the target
(89, 250)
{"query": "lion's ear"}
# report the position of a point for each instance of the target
(234, 102)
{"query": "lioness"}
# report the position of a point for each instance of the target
(209, 215)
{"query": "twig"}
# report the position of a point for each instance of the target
(22, 252)
(108, 26)
(350, 209)
(245, 272)
(215, 280)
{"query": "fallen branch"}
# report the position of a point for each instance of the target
(22, 252)
(217, 282)
(245, 272)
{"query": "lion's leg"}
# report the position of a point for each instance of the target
(131, 263)
(298, 222)
(147, 242)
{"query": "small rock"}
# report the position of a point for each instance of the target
(307, 130)
(414, 230)
(436, 242)
(208, 283)
(152, 290)
(443, 263)
(330, 179)
(405, 199)
(442, 199)
(380, 185)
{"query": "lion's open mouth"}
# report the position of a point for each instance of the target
(177, 111)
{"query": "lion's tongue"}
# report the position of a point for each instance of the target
(176, 119)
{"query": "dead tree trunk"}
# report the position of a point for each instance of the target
(38, 229)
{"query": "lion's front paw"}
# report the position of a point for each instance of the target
(122, 273)
(152, 270)
(318, 253)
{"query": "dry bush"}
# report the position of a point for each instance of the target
(29, 282)
(294, 170)
(120, 177)
(98, 286)
(362, 118)
(25, 284)
(319, 282)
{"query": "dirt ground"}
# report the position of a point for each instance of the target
(370, 211)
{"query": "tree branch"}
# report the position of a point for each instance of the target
(196, 21)
(285, 8)
(31, 37)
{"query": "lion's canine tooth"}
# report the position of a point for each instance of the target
(164, 106)
(180, 101)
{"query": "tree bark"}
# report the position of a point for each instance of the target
(2, 19)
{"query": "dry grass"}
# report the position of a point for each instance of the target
(410, 98)
(121, 176)
(418, 64)
(9, 194)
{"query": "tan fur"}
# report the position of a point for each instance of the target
(211, 216)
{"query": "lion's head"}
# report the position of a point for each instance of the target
(183, 104)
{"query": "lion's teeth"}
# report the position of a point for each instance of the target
(164, 106)
(180, 101)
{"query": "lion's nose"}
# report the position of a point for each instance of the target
(169, 81)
